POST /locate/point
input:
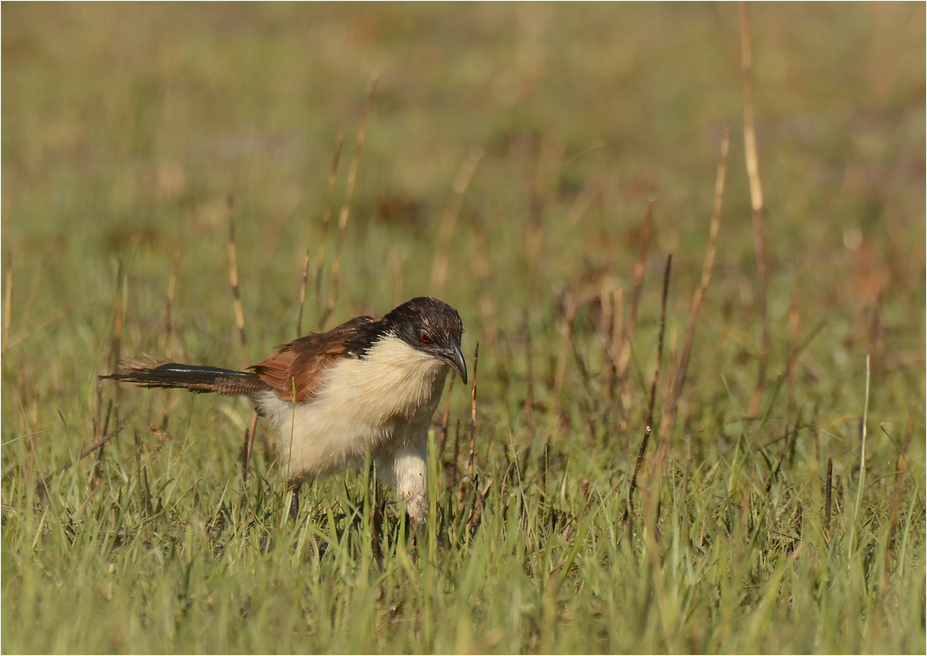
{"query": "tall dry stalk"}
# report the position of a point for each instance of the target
(529, 397)
(233, 281)
(648, 429)
(669, 412)
(756, 203)
(624, 353)
(240, 322)
(794, 323)
(470, 463)
(320, 260)
(442, 252)
(445, 418)
(346, 207)
(7, 306)
(828, 495)
(169, 332)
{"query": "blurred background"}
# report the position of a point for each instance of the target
(126, 127)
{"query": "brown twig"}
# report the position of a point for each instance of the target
(93, 447)
(346, 207)
(320, 260)
(629, 513)
(756, 202)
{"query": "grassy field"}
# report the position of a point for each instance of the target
(510, 155)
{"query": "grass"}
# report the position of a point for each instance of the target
(508, 161)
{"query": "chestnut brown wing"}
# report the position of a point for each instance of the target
(301, 364)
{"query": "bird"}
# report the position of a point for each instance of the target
(366, 385)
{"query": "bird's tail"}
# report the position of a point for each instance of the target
(195, 378)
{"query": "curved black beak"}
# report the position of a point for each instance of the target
(454, 357)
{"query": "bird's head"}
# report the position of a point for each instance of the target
(431, 326)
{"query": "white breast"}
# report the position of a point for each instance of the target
(389, 395)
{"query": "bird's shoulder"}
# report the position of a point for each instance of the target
(299, 366)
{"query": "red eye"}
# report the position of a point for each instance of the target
(425, 337)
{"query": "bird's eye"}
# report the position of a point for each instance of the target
(425, 337)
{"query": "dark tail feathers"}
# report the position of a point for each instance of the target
(191, 377)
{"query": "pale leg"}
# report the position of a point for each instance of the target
(406, 467)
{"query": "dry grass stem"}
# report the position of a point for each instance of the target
(794, 322)
(116, 343)
(669, 416)
(627, 331)
(616, 336)
(323, 238)
(115, 357)
(240, 322)
(52, 247)
(449, 221)
(97, 444)
(169, 334)
(144, 488)
(168, 309)
(529, 396)
(481, 266)
(756, 203)
(233, 281)
(248, 447)
(567, 312)
(656, 371)
(861, 486)
(304, 281)
(445, 418)
(476, 361)
(606, 330)
(7, 305)
(629, 513)
(346, 207)
(669, 413)
(828, 495)
(901, 467)
(625, 355)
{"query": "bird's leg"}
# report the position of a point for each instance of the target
(406, 465)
